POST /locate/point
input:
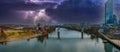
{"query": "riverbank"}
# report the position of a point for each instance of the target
(112, 41)
(19, 38)
(13, 35)
(113, 36)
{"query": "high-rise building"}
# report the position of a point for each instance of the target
(119, 21)
(110, 17)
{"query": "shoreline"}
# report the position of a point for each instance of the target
(20, 38)
(24, 36)
(110, 40)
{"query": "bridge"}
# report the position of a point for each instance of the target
(83, 30)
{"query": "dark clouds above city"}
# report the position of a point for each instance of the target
(54, 11)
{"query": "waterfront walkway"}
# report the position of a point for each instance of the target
(117, 42)
(113, 41)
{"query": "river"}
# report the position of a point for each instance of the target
(62, 40)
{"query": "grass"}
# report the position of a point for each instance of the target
(0, 33)
(18, 33)
(9, 34)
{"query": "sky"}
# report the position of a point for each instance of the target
(54, 11)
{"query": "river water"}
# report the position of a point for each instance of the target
(62, 40)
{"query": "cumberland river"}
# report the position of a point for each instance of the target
(62, 40)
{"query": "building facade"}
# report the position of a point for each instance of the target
(110, 17)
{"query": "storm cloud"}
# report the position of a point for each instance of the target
(60, 11)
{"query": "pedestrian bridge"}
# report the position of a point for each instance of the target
(66, 33)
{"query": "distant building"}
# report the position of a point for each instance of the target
(119, 21)
(38, 26)
(110, 48)
(110, 17)
(18, 28)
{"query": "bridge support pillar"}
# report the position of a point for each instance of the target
(58, 33)
(82, 35)
(82, 32)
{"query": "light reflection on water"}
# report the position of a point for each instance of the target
(70, 41)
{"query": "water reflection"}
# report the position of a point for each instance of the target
(110, 48)
(40, 39)
(70, 41)
(3, 43)
(65, 33)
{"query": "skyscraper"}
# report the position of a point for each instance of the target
(110, 17)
